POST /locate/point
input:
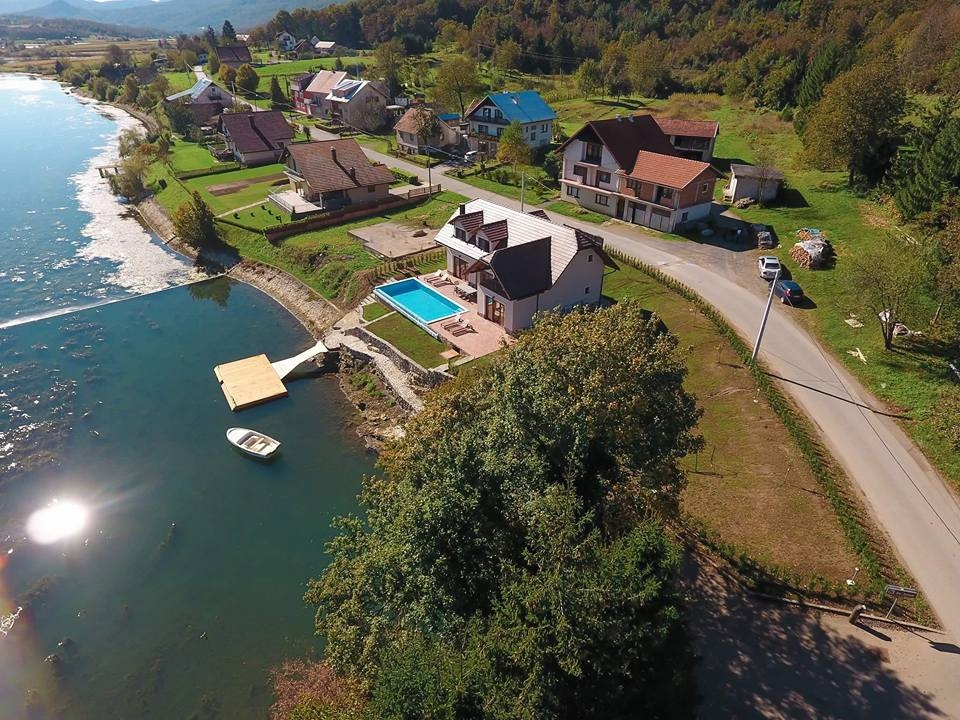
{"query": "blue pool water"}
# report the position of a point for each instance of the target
(419, 300)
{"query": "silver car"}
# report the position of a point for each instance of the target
(768, 266)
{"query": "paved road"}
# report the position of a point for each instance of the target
(905, 494)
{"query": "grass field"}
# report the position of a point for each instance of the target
(374, 310)
(750, 484)
(409, 339)
(261, 181)
(575, 211)
(186, 156)
(180, 80)
(533, 192)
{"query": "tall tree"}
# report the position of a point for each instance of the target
(213, 63)
(646, 68)
(210, 37)
(227, 33)
(457, 82)
(506, 56)
(887, 280)
(195, 224)
(389, 57)
(589, 78)
(512, 147)
(247, 78)
(857, 123)
(131, 89)
(277, 98)
(614, 62)
(228, 75)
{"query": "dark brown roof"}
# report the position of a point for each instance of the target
(540, 214)
(331, 165)
(253, 132)
(689, 128)
(673, 172)
(496, 232)
(470, 222)
(625, 137)
(523, 270)
(234, 54)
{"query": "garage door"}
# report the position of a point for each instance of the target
(659, 219)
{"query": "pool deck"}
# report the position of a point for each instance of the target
(249, 382)
(487, 337)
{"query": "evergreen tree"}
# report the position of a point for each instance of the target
(277, 98)
(227, 33)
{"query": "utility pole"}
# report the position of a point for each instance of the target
(766, 314)
(523, 176)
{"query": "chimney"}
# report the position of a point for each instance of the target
(250, 118)
(353, 173)
(463, 208)
(333, 154)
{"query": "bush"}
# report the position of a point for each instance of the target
(946, 417)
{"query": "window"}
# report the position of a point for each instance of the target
(683, 218)
(499, 132)
(497, 114)
(705, 187)
(580, 171)
(573, 191)
(592, 152)
(543, 128)
(483, 129)
(533, 136)
(460, 234)
(601, 199)
(590, 257)
(371, 188)
(486, 112)
(586, 290)
(603, 177)
(664, 193)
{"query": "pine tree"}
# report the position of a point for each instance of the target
(227, 33)
(276, 94)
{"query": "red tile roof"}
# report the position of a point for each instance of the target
(689, 128)
(331, 165)
(253, 132)
(324, 81)
(409, 122)
(673, 172)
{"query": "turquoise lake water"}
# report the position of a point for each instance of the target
(186, 582)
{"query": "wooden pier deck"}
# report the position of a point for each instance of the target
(249, 382)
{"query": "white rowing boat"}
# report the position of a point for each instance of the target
(253, 443)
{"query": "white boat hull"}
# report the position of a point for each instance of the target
(253, 443)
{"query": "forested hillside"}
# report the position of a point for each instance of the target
(777, 52)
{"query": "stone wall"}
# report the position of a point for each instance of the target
(424, 377)
(353, 360)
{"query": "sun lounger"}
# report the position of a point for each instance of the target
(452, 323)
(462, 328)
(439, 278)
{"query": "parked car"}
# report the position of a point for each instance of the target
(768, 266)
(471, 156)
(789, 292)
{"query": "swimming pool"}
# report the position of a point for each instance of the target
(417, 300)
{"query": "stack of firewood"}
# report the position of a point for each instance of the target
(814, 249)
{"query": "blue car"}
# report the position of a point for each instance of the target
(789, 292)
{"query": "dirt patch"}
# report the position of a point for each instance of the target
(233, 187)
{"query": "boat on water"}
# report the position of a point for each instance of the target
(253, 443)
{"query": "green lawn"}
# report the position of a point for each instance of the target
(575, 211)
(379, 143)
(409, 339)
(256, 191)
(374, 310)
(186, 156)
(180, 81)
(289, 68)
(533, 193)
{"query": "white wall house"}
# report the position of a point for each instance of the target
(489, 116)
(521, 263)
(285, 41)
(749, 181)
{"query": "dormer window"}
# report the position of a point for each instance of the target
(460, 234)
(486, 112)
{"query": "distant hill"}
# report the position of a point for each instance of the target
(172, 16)
(21, 28)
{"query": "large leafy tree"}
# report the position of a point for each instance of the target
(856, 125)
(457, 82)
(589, 78)
(247, 78)
(389, 57)
(512, 147)
(195, 224)
(525, 488)
(929, 168)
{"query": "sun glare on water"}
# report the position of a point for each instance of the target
(57, 521)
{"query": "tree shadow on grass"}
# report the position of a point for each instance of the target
(764, 660)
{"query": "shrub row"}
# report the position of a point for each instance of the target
(202, 172)
(796, 425)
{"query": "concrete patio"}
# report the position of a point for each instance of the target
(486, 337)
(392, 240)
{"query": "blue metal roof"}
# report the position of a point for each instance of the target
(525, 106)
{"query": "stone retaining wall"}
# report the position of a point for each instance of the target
(424, 377)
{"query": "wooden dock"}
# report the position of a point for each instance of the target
(249, 382)
(256, 380)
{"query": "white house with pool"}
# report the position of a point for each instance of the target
(503, 266)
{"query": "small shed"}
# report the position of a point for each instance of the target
(750, 181)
